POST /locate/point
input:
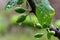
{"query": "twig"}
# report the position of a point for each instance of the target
(33, 5)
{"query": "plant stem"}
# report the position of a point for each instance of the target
(33, 5)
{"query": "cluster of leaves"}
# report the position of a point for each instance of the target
(22, 16)
(44, 13)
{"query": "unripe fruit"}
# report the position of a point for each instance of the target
(51, 32)
(38, 35)
(19, 10)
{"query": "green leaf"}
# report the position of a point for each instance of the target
(48, 36)
(20, 1)
(17, 19)
(12, 3)
(38, 35)
(31, 20)
(21, 18)
(44, 12)
(19, 10)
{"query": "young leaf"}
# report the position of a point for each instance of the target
(44, 12)
(11, 3)
(19, 10)
(20, 1)
(18, 18)
(31, 20)
(38, 35)
(21, 18)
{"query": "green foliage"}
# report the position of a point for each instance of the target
(21, 18)
(42, 19)
(44, 13)
(31, 20)
(51, 32)
(48, 36)
(18, 18)
(12, 3)
(20, 1)
(19, 10)
(38, 35)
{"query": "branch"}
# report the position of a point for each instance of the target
(33, 5)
